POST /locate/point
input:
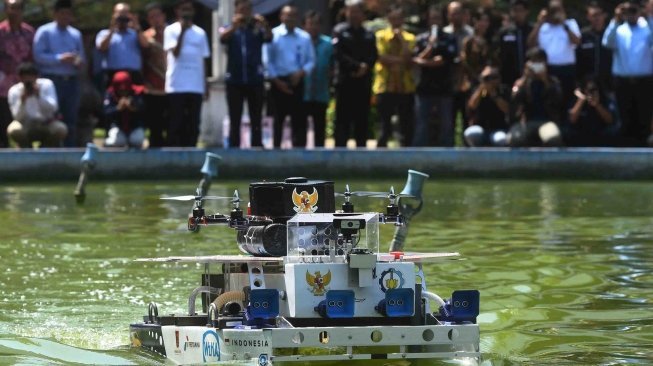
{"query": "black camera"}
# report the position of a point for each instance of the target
(349, 226)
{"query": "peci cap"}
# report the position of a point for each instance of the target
(63, 4)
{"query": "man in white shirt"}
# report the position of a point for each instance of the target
(186, 46)
(558, 37)
(33, 104)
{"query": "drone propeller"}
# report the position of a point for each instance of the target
(390, 195)
(371, 194)
(200, 198)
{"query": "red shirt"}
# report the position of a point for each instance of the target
(15, 48)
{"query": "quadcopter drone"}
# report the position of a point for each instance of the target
(261, 231)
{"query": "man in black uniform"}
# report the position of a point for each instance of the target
(593, 60)
(511, 43)
(355, 54)
(435, 52)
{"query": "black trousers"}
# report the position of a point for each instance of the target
(156, 107)
(317, 110)
(5, 120)
(290, 105)
(353, 110)
(184, 119)
(566, 74)
(236, 96)
(403, 105)
(635, 109)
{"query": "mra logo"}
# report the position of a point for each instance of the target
(210, 346)
(263, 359)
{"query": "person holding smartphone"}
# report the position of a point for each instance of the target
(488, 107)
(558, 36)
(434, 55)
(592, 116)
(186, 46)
(120, 45)
(123, 109)
(244, 39)
(536, 99)
(630, 37)
(33, 104)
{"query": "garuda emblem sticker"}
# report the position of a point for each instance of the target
(304, 202)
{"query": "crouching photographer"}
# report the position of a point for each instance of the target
(33, 104)
(536, 99)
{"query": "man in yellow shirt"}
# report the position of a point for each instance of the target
(394, 86)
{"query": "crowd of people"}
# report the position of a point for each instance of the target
(152, 79)
(511, 82)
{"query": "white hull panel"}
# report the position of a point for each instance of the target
(197, 345)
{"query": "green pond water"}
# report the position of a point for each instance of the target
(565, 269)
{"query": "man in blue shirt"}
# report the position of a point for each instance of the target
(289, 58)
(59, 54)
(316, 84)
(121, 44)
(244, 39)
(630, 38)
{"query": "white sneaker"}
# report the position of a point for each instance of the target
(115, 138)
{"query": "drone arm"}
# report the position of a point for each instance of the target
(218, 219)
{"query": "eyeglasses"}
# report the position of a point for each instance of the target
(631, 10)
(490, 77)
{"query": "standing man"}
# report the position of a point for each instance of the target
(16, 39)
(593, 59)
(511, 43)
(290, 57)
(630, 38)
(120, 44)
(435, 52)
(393, 78)
(460, 29)
(316, 86)
(355, 54)
(59, 54)
(154, 74)
(558, 37)
(187, 46)
(244, 39)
